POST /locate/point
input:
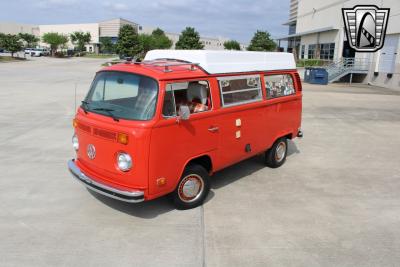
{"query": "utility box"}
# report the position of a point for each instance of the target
(318, 76)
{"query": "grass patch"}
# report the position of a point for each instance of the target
(312, 62)
(11, 59)
(99, 55)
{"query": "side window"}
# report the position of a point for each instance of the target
(194, 94)
(279, 85)
(238, 90)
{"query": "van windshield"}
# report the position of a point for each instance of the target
(122, 95)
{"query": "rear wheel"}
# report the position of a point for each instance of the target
(192, 188)
(276, 155)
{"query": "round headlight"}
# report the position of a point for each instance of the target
(124, 161)
(75, 142)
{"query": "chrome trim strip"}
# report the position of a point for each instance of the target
(126, 196)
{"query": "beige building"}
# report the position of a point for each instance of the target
(15, 28)
(316, 30)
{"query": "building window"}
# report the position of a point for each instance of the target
(327, 51)
(292, 28)
(194, 94)
(238, 90)
(311, 51)
(303, 48)
(279, 85)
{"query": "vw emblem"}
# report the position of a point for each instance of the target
(91, 151)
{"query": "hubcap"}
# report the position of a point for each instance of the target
(190, 188)
(280, 151)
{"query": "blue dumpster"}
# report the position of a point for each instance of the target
(318, 76)
(307, 74)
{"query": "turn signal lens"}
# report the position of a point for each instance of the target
(74, 123)
(161, 181)
(122, 138)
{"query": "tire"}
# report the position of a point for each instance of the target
(186, 194)
(276, 155)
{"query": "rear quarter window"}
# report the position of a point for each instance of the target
(278, 85)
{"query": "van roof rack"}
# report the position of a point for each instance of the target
(166, 63)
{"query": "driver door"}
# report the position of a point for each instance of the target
(175, 141)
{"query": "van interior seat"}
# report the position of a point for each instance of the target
(196, 90)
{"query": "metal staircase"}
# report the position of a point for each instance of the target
(345, 66)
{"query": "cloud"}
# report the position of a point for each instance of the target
(55, 3)
(116, 6)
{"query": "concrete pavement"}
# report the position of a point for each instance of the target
(335, 202)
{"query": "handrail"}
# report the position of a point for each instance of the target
(347, 65)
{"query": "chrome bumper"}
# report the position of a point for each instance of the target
(127, 196)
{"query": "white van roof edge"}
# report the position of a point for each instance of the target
(221, 62)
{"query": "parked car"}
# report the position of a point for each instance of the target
(1, 50)
(28, 51)
(165, 125)
(38, 52)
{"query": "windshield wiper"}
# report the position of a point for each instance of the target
(108, 111)
(85, 106)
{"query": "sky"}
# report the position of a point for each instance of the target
(236, 19)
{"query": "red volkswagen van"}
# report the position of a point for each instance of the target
(165, 125)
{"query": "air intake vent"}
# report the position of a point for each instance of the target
(105, 134)
(84, 127)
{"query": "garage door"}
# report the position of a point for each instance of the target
(387, 61)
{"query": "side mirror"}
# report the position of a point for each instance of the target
(184, 112)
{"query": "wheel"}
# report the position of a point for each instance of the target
(192, 188)
(276, 155)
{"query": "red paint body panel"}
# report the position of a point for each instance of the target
(161, 147)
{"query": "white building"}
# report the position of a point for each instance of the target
(210, 43)
(316, 30)
(108, 28)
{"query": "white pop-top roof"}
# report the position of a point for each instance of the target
(215, 62)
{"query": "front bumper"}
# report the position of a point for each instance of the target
(127, 196)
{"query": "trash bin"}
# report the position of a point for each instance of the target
(307, 74)
(318, 76)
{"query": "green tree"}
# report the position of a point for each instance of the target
(189, 39)
(262, 42)
(80, 39)
(29, 39)
(232, 45)
(12, 43)
(55, 40)
(128, 42)
(147, 43)
(161, 41)
(106, 45)
(2, 37)
(156, 40)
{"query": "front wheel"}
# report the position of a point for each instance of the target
(276, 155)
(192, 188)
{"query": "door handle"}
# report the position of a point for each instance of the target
(213, 129)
